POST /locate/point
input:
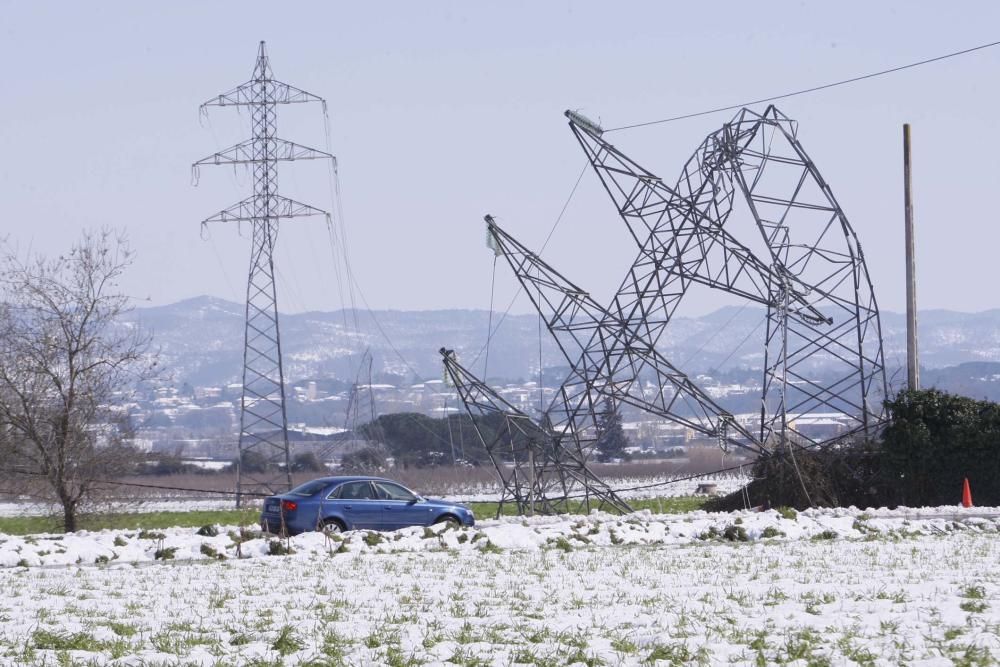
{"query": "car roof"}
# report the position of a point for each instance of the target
(351, 478)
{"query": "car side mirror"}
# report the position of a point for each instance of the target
(415, 501)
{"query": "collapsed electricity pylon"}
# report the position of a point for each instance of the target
(263, 419)
(813, 281)
(811, 278)
(538, 473)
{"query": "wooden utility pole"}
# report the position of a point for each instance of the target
(912, 360)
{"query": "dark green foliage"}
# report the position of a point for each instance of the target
(211, 552)
(166, 553)
(611, 439)
(278, 548)
(835, 476)
(418, 440)
(253, 461)
(735, 533)
(307, 462)
(934, 441)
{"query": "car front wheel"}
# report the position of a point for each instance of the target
(451, 521)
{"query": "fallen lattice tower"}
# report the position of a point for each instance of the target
(807, 271)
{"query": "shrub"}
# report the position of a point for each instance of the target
(211, 552)
(736, 534)
(166, 553)
(563, 544)
(788, 513)
(278, 548)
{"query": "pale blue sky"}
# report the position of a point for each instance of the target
(442, 112)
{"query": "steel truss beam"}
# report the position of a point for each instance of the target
(537, 472)
(608, 356)
(263, 418)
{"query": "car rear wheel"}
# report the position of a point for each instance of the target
(332, 527)
(451, 520)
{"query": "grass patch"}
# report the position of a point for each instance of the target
(278, 548)
(166, 553)
(56, 641)
(787, 513)
(202, 519)
(287, 641)
(676, 505)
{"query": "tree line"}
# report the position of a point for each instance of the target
(931, 442)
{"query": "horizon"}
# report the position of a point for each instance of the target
(286, 313)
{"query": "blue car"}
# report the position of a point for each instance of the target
(335, 504)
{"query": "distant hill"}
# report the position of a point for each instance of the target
(201, 342)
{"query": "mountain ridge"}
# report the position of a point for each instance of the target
(201, 340)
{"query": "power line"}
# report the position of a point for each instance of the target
(813, 89)
(491, 332)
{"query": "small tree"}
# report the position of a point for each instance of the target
(307, 462)
(67, 365)
(611, 438)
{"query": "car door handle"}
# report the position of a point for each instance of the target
(387, 507)
(347, 507)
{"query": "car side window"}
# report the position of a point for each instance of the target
(390, 491)
(354, 491)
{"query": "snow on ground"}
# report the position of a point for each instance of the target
(29, 508)
(820, 587)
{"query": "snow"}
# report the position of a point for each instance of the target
(836, 585)
(29, 508)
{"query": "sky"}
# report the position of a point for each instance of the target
(441, 112)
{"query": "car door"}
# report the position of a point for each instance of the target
(400, 506)
(356, 502)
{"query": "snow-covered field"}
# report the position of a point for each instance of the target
(28, 508)
(820, 587)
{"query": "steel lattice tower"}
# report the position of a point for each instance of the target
(263, 464)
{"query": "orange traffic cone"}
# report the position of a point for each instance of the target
(966, 494)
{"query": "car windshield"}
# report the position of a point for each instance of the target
(310, 488)
(390, 491)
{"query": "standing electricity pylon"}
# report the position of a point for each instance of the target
(263, 463)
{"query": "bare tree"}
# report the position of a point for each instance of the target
(68, 365)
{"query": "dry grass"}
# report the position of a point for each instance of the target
(440, 480)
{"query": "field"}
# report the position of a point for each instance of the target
(818, 587)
